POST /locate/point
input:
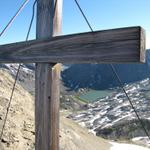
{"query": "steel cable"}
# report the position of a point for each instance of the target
(17, 73)
(117, 76)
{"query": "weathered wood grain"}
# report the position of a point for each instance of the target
(142, 45)
(47, 80)
(47, 106)
(124, 45)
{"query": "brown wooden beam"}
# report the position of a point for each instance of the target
(124, 45)
(47, 77)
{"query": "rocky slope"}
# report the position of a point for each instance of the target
(19, 131)
(73, 137)
(26, 76)
(112, 117)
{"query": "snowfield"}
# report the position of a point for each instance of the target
(115, 111)
(121, 146)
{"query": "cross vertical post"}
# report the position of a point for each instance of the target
(47, 79)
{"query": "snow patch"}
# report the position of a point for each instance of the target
(122, 146)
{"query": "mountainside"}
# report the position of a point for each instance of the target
(112, 117)
(19, 131)
(26, 76)
(100, 76)
(103, 117)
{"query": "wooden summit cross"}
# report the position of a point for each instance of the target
(125, 45)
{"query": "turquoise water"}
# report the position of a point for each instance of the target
(94, 95)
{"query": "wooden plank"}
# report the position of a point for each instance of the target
(124, 45)
(47, 106)
(47, 80)
(142, 45)
(54, 109)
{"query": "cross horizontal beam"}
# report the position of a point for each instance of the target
(123, 45)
